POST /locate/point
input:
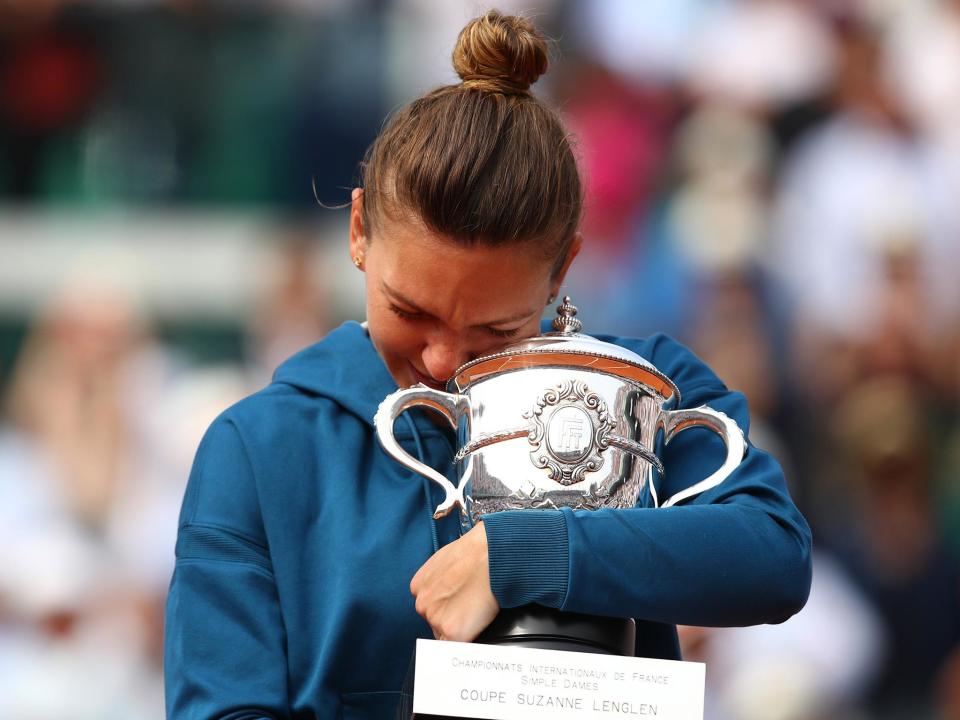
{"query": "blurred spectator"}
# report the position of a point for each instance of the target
(648, 42)
(732, 330)
(890, 538)
(762, 54)
(718, 214)
(923, 54)
(50, 74)
(865, 247)
(294, 309)
(621, 131)
(71, 392)
(95, 458)
(712, 221)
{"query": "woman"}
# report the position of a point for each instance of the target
(301, 542)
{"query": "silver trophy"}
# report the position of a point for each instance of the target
(558, 420)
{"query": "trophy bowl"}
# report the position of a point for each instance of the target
(557, 420)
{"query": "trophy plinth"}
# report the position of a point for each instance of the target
(536, 626)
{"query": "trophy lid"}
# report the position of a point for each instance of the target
(566, 347)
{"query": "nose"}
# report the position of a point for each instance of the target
(442, 356)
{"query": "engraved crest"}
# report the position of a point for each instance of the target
(570, 428)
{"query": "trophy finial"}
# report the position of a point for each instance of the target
(565, 322)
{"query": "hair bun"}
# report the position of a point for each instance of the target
(500, 53)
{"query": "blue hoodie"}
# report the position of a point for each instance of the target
(298, 538)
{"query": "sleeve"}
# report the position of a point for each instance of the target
(737, 554)
(224, 641)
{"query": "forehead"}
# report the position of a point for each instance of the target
(447, 277)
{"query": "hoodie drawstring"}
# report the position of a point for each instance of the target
(421, 456)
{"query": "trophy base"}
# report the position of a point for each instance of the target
(534, 626)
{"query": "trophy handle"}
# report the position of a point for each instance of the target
(448, 405)
(724, 426)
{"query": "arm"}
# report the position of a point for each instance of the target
(224, 654)
(737, 554)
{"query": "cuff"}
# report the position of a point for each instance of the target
(529, 557)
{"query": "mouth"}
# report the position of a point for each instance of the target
(419, 377)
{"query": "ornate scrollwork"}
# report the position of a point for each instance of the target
(570, 427)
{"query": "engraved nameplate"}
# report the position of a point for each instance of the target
(509, 683)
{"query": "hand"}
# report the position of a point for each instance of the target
(452, 589)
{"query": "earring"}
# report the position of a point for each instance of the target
(551, 299)
(358, 262)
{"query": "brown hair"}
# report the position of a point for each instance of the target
(484, 160)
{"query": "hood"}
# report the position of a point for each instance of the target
(344, 367)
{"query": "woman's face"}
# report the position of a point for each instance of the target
(433, 305)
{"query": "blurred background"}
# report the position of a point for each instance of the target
(774, 182)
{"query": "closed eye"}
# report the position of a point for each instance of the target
(405, 314)
(414, 316)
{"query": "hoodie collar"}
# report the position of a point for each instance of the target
(344, 367)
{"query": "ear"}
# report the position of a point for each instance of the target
(358, 238)
(572, 253)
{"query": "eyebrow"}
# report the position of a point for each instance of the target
(416, 308)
